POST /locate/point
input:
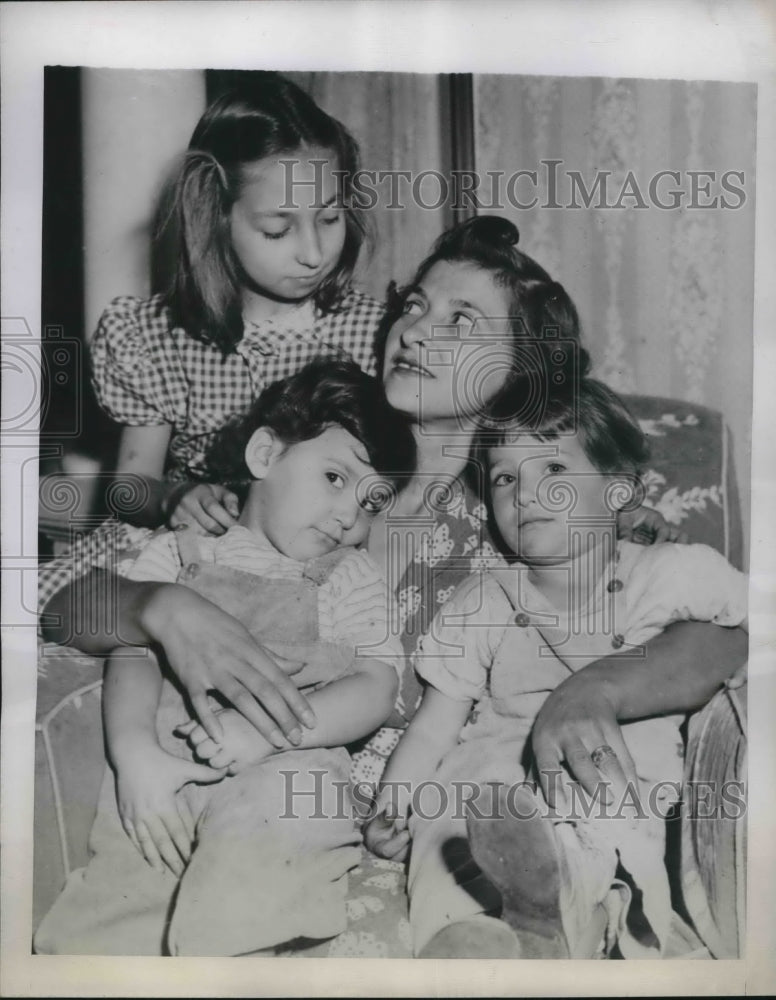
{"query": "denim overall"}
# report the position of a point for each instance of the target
(273, 844)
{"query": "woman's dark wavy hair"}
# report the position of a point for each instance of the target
(263, 115)
(326, 392)
(610, 435)
(542, 315)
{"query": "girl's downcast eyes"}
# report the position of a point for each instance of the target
(324, 220)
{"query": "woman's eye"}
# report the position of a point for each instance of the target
(460, 319)
(279, 235)
(504, 479)
(331, 220)
(555, 468)
(412, 306)
(336, 479)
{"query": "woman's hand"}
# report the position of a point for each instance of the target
(209, 650)
(578, 718)
(214, 508)
(239, 747)
(645, 526)
(155, 819)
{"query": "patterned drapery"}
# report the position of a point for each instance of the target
(398, 122)
(665, 293)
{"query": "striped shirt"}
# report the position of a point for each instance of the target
(345, 599)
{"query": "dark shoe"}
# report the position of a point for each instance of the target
(519, 857)
(480, 937)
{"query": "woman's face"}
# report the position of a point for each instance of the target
(451, 349)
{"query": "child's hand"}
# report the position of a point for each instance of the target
(240, 746)
(646, 526)
(155, 819)
(212, 507)
(387, 837)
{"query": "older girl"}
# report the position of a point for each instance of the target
(267, 241)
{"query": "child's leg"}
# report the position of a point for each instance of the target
(117, 904)
(450, 896)
(271, 860)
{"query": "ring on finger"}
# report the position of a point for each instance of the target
(601, 754)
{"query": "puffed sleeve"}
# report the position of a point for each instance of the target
(133, 363)
(456, 655)
(681, 582)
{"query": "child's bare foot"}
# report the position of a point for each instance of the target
(241, 745)
(480, 937)
(519, 857)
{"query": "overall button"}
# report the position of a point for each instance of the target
(617, 641)
(190, 571)
(614, 586)
(522, 619)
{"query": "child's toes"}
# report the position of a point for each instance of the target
(208, 749)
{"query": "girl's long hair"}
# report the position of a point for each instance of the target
(264, 115)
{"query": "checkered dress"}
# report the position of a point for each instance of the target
(146, 371)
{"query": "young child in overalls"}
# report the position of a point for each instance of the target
(251, 850)
(563, 873)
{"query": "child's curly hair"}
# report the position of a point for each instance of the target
(326, 392)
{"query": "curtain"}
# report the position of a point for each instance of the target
(397, 120)
(664, 284)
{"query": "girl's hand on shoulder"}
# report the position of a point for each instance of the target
(209, 650)
(155, 819)
(209, 505)
(646, 526)
(240, 746)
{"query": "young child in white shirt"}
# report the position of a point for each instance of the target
(563, 881)
(251, 850)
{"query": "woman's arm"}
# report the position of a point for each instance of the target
(206, 648)
(346, 710)
(682, 669)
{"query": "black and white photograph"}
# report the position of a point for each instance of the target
(387, 558)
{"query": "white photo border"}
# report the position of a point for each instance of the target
(638, 38)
